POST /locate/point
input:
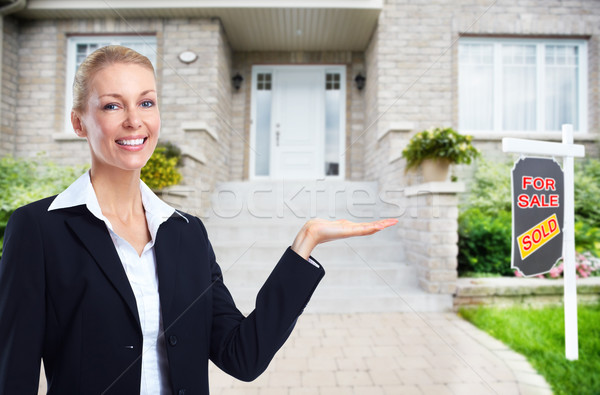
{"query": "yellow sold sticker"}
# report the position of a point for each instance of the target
(536, 237)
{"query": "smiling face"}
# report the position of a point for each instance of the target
(121, 120)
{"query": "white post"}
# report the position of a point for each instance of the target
(570, 287)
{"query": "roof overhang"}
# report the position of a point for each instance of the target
(262, 25)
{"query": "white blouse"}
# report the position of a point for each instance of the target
(141, 273)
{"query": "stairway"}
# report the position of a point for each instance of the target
(251, 223)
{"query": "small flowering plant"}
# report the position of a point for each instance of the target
(586, 265)
(439, 143)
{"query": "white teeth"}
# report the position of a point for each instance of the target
(131, 142)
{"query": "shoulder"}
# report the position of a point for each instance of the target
(38, 211)
(34, 209)
(185, 219)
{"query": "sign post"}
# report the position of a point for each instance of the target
(568, 151)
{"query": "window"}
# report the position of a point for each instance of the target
(263, 123)
(81, 46)
(333, 98)
(522, 85)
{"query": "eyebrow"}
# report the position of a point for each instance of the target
(120, 96)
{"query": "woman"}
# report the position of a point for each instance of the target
(120, 293)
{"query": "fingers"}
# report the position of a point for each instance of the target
(385, 223)
(350, 229)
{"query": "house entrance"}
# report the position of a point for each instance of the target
(298, 122)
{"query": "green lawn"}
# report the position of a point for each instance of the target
(538, 334)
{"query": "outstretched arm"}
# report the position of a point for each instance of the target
(317, 231)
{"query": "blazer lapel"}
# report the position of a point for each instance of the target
(96, 239)
(167, 251)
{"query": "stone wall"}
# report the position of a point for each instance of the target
(429, 231)
(531, 292)
(8, 93)
(196, 105)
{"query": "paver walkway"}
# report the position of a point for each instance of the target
(391, 354)
(387, 354)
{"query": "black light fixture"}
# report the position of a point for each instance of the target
(360, 81)
(237, 81)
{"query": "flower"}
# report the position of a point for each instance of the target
(586, 265)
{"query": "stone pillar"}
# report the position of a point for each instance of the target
(429, 229)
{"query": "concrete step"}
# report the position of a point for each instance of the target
(304, 199)
(281, 231)
(252, 223)
(339, 250)
(357, 300)
(253, 275)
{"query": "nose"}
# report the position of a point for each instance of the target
(133, 119)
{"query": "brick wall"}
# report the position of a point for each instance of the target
(196, 104)
(412, 63)
(240, 139)
(8, 93)
(429, 227)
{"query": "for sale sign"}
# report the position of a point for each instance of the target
(538, 190)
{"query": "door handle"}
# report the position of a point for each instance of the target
(277, 138)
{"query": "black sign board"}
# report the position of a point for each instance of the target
(537, 207)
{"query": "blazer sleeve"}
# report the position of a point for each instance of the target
(244, 346)
(22, 305)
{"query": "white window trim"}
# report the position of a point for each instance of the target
(68, 134)
(326, 69)
(581, 134)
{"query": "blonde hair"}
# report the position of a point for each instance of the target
(98, 60)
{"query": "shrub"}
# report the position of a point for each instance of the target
(24, 181)
(161, 169)
(484, 242)
(587, 191)
(490, 189)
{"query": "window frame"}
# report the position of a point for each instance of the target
(70, 69)
(540, 43)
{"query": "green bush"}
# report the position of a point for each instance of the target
(161, 169)
(587, 238)
(484, 242)
(490, 189)
(587, 192)
(24, 181)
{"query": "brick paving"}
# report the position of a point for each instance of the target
(387, 354)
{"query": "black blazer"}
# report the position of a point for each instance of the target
(65, 297)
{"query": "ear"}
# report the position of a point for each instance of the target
(77, 123)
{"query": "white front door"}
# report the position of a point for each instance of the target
(291, 128)
(298, 124)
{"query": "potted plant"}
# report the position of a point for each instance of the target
(435, 149)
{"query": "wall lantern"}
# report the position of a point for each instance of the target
(360, 81)
(237, 81)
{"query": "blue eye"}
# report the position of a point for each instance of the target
(147, 103)
(110, 107)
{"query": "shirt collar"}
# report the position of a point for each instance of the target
(81, 192)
